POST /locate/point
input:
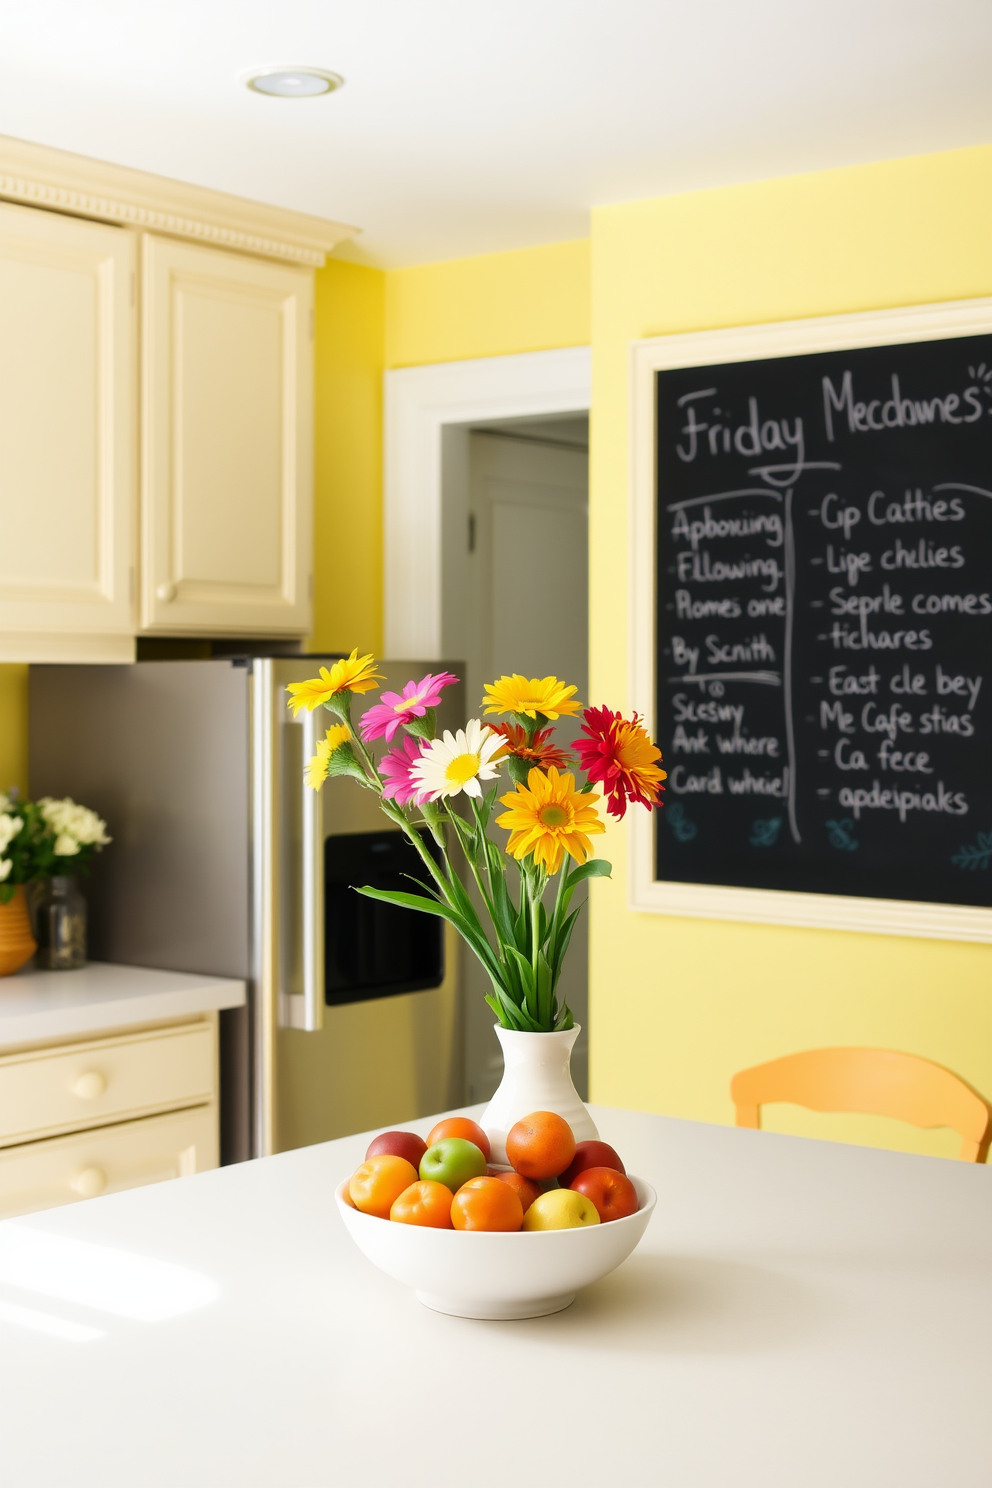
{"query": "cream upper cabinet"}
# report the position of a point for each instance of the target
(227, 394)
(68, 438)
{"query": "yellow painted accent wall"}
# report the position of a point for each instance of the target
(678, 1005)
(529, 299)
(349, 335)
(14, 728)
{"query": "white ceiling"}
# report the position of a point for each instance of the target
(466, 127)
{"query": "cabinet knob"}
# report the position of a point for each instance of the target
(89, 1183)
(166, 593)
(90, 1086)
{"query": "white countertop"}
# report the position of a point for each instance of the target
(39, 1005)
(798, 1315)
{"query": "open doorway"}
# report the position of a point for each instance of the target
(514, 598)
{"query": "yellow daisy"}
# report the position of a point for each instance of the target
(545, 695)
(353, 673)
(338, 734)
(549, 817)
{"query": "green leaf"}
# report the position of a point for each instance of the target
(564, 938)
(527, 982)
(594, 868)
(471, 934)
(545, 993)
(503, 912)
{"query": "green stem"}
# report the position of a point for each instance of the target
(464, 835)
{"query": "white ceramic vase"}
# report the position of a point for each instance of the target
(536, 1077)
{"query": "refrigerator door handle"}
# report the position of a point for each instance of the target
(313, 885)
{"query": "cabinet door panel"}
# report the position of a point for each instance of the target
(67, 436)
(228, 427)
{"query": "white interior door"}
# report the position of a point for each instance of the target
(520, 586)
(528, 516)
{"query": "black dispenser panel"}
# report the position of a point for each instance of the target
(375, 949)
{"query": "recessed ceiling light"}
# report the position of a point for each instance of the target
(294, 82)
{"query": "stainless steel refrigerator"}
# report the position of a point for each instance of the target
(223, 862)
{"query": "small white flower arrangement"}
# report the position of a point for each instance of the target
(45, 839)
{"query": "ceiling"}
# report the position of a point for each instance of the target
(466, 127)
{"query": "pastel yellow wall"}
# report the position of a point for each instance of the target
(530, 299)
(14, 727)
(679, 1005)
(348, 354)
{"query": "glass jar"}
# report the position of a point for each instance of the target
(60, 925)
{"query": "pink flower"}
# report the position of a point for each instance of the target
(396, 767)
(397, 708)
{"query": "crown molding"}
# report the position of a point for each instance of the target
(39, 176)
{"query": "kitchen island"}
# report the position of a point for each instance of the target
(799, 1315)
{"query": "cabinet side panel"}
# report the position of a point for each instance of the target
(160, 750)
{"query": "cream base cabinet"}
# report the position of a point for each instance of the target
(98, 1115)
(68, 438)
(227, 393)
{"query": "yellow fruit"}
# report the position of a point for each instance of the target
(561, 1209)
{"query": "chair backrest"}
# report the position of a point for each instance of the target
(873, 1082)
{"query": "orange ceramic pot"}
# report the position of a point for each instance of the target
(17, 944)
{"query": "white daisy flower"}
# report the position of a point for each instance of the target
(5, 866)
(457, 762)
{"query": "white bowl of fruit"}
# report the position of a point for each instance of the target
(480, 1241)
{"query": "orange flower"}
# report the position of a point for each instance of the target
(619, 755)
(537, 751)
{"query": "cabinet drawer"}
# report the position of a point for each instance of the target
(63, 1170)
(88, 1084)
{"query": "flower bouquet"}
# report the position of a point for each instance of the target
(44, 844)
(519, 926)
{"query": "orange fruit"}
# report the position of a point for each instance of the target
(377, 1183)
(525, 1190)
(540, 1145)
(486, 1204)
(461, 1126)
(424, 1203)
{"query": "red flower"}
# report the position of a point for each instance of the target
(618, 754)
(538, 751)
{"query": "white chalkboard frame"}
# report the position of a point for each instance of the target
(741, 344)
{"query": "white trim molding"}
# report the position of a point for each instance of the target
(751, 343)
(38, 176)
(420, 401)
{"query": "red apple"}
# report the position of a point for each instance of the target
(590, 1155)
(398, 1144)
(612, 1193)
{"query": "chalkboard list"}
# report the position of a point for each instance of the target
(824, 620)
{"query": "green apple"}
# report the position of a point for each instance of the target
(561, 1209)
(452, 1161)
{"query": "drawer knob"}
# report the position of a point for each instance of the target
(89, 1183)
(90, 1086)
(166, 593)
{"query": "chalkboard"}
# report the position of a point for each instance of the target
(823, 657)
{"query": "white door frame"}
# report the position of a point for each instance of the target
(420, 401)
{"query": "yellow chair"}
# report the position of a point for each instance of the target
(873, 1082)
